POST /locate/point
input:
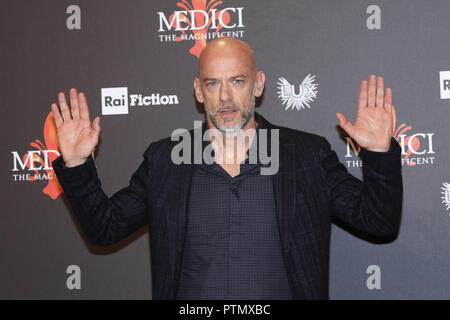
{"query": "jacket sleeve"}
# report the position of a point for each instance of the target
(374, 205)
(105, 220)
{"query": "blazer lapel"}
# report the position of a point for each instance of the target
(285, 193)
(181, 191)
(185, 184)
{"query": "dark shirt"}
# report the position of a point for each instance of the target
(233, 248)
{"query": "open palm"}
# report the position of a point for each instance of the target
(77, 138)
(373, 125)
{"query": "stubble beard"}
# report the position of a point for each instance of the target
(245, 116)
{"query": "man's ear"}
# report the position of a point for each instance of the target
(259, 83)
(198, 90)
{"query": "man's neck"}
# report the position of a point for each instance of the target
(233, 147)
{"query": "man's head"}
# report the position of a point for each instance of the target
(227, 84)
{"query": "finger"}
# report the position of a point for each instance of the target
(84, 110)
(388, 100)
(393, 117)
(65, 112)
(57, 115)
(362, 99)
(345, 124)
(380, 92)
(74, 103)
(371, 91)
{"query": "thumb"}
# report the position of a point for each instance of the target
(345, 124)
(96, 125)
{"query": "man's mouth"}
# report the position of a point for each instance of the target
(227, 112)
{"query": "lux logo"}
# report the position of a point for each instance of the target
(303, 90)
(307, 93)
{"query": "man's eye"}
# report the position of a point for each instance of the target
(238, 81)
(211, 83)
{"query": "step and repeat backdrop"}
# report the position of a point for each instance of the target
(136, 61)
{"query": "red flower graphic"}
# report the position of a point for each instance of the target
(53, 188)
(207, 6)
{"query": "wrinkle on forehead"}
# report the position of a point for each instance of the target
(226, 47)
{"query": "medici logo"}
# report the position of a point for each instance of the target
(199, 21)
(417, 147)
(35, 165)
(117, 100)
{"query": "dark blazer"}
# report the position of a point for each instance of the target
(311, 187)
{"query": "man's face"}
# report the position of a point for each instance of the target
(227, 85)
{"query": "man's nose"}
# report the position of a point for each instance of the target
(225, 93)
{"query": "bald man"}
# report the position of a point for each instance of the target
(222, 229)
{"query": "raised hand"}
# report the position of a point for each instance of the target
(373, 125)
(77, 138)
